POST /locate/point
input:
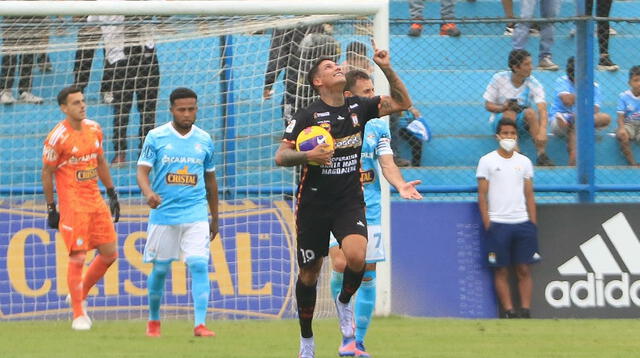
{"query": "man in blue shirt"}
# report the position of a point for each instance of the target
(181, 156)
(562, 116)
(376, 147)
(629, 115)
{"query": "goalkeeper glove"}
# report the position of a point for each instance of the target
(114, 205)
(53, 218)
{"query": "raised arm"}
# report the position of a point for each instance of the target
(399, 99)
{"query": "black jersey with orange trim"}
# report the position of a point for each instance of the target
(339, 182)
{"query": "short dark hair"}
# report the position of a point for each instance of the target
(65, 92)
(313, 71)
(516, 57)
(505, 122)
(571, 68)
(634, 71)
(356, 47)
(352, 78)
(180, 93)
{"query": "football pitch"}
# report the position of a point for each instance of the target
(388, 337)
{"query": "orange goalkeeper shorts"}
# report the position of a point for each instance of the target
(83, 231)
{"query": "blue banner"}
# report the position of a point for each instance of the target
(437, 267)
(252, 267)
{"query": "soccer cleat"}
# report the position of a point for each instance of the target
(28, 97)
(345, 318)
(6, 97)
(202, 331)
(544, 160)
(67, 300)
(361, 351)
(153, 329)
(449, 29)
(415, 30)
(347, 347)
(546, 63)
(81, 323)
(307, 348)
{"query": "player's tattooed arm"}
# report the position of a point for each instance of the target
(286, 156)
(399, 99)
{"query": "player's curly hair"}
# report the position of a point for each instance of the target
(505, 122)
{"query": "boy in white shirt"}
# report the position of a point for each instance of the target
(508, 209)
(513, 95)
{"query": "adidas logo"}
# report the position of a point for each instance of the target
(595, 291)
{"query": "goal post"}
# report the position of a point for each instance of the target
(221, 50)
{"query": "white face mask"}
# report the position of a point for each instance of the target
(508, 144)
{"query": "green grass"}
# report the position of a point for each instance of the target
(388, 337)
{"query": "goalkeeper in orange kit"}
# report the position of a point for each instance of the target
(73, 154)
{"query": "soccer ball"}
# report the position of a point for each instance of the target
(311, 137)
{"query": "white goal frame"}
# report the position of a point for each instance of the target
(379, 9)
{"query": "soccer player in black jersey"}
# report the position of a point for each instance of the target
(330, 197)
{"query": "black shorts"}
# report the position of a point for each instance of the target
(314, 224)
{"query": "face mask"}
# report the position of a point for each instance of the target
(508, 144)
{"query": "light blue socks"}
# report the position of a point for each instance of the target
(336, 283)
(155, 287)
(198, 266)
(365, 304)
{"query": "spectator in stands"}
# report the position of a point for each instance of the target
(130, 69)
(508, 210)
(447, 7)
(357, 58)
(294, 51)
(562, 117)
(548, 9)
(511, 95)
(20, 34)
(88, 37)
(629, 115)
(603, 8)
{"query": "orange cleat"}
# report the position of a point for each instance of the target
(153, 329)
(203, 331)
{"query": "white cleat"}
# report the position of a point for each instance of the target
(82, 323)
(67, 300)
(345, 318)
(307, 348)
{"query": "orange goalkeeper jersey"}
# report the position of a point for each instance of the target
(75, 153)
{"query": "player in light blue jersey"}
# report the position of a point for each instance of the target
(562, 116)
(375, 147)
(184, 183)
(629, 115)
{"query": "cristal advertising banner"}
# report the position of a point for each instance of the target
(252, 264)
(590, 261)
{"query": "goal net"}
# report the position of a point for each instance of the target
(248, 70)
